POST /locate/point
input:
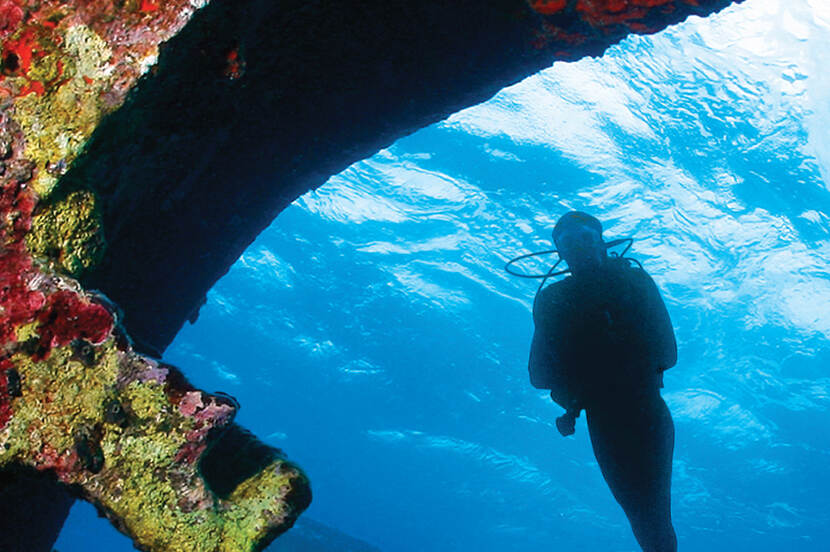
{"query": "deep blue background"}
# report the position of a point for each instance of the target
(372, 334)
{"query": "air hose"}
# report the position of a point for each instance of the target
(553, 272)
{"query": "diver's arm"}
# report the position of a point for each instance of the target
(542, 364)
(545, 373)
(544, 367)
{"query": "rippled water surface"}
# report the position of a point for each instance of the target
(372, 333)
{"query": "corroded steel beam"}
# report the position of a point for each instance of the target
(144, 171)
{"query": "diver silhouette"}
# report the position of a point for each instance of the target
(602, 340)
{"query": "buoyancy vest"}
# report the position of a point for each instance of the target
(603, 331)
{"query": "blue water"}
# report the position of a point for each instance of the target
(372, 333)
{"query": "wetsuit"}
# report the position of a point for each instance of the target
(601, 343)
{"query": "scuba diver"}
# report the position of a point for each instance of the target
(602, 340)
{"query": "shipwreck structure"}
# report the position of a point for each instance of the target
(143, 145)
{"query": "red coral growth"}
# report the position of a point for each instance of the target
(67, 317)
(5, 398)
(642, 29)
(132, 30)
(34, 43)
(30, 31)
(148, 6)
(190, 452)
(11, 14)
(22, 209)
(190, 403)
(548, 7)
(33, 86)
(208, 416)
(560, 35)
(234, 65)
(602, 13)
(18, 53)
(65, 465)
(18, 304)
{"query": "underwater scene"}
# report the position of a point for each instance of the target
(373, 334)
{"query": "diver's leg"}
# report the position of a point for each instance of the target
(634, 444)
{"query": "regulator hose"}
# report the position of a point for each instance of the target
(553, 272)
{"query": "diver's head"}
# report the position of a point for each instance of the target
(578, 239)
